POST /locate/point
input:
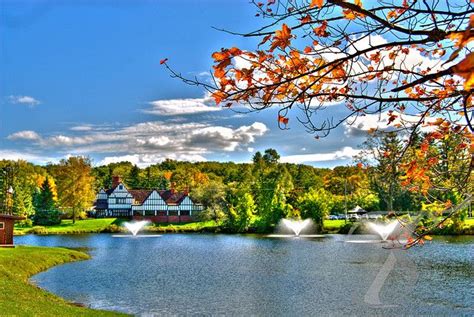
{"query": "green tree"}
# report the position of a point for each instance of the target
(316, 204)
(133, 179)
(75, 184)
(46, 212)
(243, 214)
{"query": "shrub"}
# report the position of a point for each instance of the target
(47, 217)
(38, 230)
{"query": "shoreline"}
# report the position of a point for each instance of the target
(114, 225)
(21, 297)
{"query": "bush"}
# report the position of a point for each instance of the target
(47, 217)
(38, 230)
(27, 223)
(112, 229)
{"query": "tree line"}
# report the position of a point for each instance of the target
(248, 196)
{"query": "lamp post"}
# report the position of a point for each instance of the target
(10, 193)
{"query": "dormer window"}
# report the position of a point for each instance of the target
(120, 187)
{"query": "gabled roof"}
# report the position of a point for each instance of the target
(140, 195)
(172, 197)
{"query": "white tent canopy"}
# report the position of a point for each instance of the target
(357, 210)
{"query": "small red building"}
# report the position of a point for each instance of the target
(6, 229)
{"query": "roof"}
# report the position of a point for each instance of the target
(172, 197)
(13, 217)
(140, 195)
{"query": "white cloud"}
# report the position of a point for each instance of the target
(24, 135)
(81, 128)
(143, 160)
(361, 125)
(345, 153)
(150, 142)
(24, 100)
(34, 158)
(176, 107)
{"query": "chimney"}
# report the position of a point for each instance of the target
(186, 190)
(116, 180)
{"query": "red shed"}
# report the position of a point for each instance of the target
(6, 229)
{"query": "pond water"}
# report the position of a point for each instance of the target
(204, 274)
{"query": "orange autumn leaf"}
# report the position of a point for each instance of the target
(316, 3)
(282, 38)
(220, 56)
(321, 30)
(339, 73)
(218, 96)
(465, 69)
(283, 119)
(358, 3)
(164, 60)
(349, 14)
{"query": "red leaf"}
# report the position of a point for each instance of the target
(163, 61)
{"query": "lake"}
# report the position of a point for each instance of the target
(235, 275)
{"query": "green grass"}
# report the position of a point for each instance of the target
(469, 222)
(202, 226)
(67, 227)
(333, 225)
(20, 298)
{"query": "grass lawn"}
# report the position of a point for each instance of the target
(208, 226)
(333, 225)
(67, 227)
(20, 298)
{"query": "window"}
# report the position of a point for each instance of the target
(2, 225)
(120, 200)
(120, 187)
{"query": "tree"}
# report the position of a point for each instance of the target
(316, 204)
(271, 156)
(407, 61)
(133, 179)
(384, 152)
(75, 184)
(46, 212)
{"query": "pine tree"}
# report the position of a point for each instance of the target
(45, 206)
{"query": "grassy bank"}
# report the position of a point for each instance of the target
(116, 225)
(67, 227)
(202, 226)
(20, 298)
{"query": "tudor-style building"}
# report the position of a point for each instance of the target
(155, 205)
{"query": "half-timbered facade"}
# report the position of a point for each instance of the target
(156, 205)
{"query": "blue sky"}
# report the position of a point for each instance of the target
(83, 78)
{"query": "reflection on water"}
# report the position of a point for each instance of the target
(254, 275)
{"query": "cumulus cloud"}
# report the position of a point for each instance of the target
(177, 107)
(151, 142)
(24, 100)
(345, 153)
(143, 160)
(24, 135)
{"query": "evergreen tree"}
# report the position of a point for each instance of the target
(45, 206)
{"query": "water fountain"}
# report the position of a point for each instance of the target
(134, 228)
(383, 230)
(296, 227)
